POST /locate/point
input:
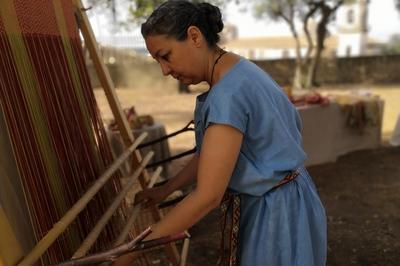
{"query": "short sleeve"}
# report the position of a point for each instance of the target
(227, 109)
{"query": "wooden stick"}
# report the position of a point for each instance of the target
(135, 212)
(111, 254)
(185, 251)
(94, 234)
(71, 214)
(135, 245)
(160, 241)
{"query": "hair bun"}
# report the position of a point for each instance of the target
(213, 16)
(173, 18)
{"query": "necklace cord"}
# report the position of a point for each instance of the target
(222, 52)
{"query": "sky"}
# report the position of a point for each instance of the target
(383, 21)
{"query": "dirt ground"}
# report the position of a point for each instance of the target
(361, 194)
(361, 191)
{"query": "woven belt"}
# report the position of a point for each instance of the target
(230, 218)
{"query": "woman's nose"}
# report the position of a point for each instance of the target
(166, 70)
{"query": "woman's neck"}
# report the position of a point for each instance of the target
(222, 61)
(214, 61)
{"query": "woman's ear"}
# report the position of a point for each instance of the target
(195, 36)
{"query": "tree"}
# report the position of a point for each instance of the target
(290, 11)
(105, 4)
(285, 10)
(393, 45)
(326, 13)
(140, 9)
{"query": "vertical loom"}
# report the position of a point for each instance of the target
(60, 194)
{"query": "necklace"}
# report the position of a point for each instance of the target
(221, 53)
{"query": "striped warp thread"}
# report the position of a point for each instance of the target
(59, 142)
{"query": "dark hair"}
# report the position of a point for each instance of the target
(173, 18)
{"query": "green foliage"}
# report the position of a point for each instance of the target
(274, 9)
(278, 9)
(141, 9)
(393, 46)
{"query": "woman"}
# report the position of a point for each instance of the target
(248, 145)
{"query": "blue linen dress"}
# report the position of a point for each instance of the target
(286, 226)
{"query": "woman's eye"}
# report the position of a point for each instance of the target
(166, 56)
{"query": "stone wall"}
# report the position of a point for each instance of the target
(137, 73)
(368, 69)
(371, 69)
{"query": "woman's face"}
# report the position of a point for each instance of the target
(180, 59)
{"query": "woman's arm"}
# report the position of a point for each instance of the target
(220, 149)
(157, 194)
(185, 177)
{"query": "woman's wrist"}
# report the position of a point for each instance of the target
(170, 186)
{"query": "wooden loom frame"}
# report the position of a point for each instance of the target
(138, 164)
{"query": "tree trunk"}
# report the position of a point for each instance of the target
(298, 77)
(312, 70)
(321, 34)
(298, 72)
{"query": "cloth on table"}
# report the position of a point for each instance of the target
(360, 111)
(326, 131)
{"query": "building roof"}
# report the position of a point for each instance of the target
(277, 42)
(264, 42)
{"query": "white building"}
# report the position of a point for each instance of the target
(352, 29)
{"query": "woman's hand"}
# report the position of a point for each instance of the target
(127, 259)
(158, 194)
(153, 195)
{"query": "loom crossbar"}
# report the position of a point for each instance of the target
(78, 260)
(72, 213)
(135, 212)
(111, 254)
(94, 234)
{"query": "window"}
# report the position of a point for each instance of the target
(350, 16)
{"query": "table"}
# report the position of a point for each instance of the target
(161, 149)
(326, 136)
